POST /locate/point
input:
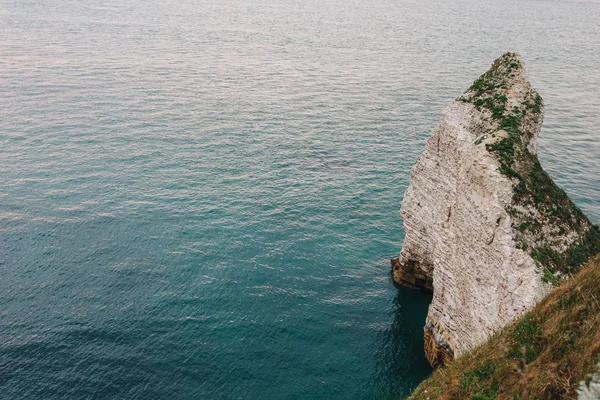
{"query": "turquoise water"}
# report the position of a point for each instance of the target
(200, 198)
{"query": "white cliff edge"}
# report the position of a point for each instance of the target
(470, 232)
(590, 390)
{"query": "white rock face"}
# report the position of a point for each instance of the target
(457, 229)
(485, 226)
(591, 389)
(459, 233)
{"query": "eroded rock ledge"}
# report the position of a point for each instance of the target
(486, 228)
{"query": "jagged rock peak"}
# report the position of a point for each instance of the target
(486, 228)
(507, 100)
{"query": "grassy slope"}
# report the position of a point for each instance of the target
(544, 354)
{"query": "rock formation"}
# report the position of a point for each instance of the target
(590, 390)
(485, 227)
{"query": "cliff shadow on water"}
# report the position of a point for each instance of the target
(401, 364)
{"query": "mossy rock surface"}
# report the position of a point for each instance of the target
(548, 225)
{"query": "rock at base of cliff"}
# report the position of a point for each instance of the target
(410, 275)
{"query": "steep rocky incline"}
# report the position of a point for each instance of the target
(550, 352)
(485, 227)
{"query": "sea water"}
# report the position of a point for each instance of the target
(199, 198)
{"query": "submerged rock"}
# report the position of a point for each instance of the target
(485, 226)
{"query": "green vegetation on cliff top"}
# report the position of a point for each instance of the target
(544, 354)
(542, 212)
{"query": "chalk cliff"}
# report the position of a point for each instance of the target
(486, 229)
(590, 390)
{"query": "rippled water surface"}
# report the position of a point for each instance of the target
(199, 198)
